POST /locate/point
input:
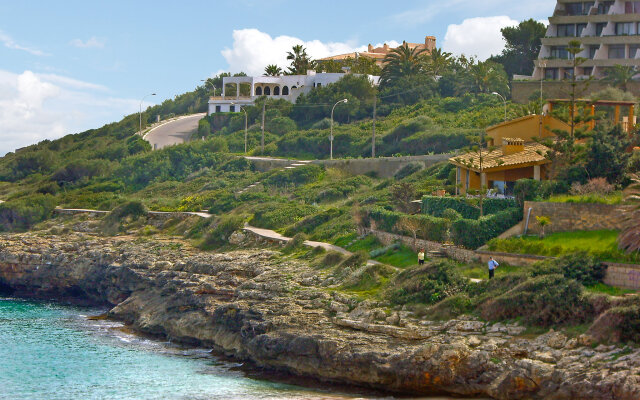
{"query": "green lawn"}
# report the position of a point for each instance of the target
(402, 257)
(601, 244)
(610, 290)
(613, 198)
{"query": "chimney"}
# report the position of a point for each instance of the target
(386, 48)
(512, 146)
(370, 48)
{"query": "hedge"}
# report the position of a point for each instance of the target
(468, 208)
(432, 228)
(473, 233)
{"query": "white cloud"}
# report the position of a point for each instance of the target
(479, 37)
(253, 50)
(92, 42)
(35, 107)
(9, 43)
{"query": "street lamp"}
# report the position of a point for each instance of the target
(246, 118)
(505, 104)
(542, 65)
(140, 114)
(213, 86)
(331, 136)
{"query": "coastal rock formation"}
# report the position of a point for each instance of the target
(257, 306)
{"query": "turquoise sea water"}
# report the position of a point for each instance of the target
(49, 351)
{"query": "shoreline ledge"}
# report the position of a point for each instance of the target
(251, 305)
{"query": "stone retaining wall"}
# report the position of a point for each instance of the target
(383, 167)
(574, 216)
(453, 252)
(626, 276)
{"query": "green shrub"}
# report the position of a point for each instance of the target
(223, 229)
(280, 125)
(280, 215)
(293, 177)
(78, 170)
(432, 228)
(468, 208)
(542, 301)
(296, 242)
(580, 266)
(21, 214)
(526, 190)
(310, 223)
(427, 284)
(355, 260)
(472, 234)
(331, 259)
(407, 170)
(49, 188)
(451, 307)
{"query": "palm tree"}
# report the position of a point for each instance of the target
(621, 75)
(630, 237)
(272, 70)
(402, 61)
(301, 62)
(438, 62)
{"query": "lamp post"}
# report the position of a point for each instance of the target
(213, 86)
(542, 65)
(140, 114)
(331, 135)
(246, 119)
(505, 104)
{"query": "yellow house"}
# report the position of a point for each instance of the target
(514, 152)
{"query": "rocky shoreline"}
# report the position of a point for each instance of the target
(253, 305)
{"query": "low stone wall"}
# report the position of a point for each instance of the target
(574, 216)
(509, 258)
(626, 276)
(451, 251)
(384, 167)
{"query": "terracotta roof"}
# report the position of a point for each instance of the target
(533, 153)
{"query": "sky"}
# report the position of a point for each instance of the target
(68, 66)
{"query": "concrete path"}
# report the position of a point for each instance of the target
(173, 132)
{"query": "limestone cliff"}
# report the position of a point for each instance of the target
(253, 306)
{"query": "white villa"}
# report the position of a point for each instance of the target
(287, 87)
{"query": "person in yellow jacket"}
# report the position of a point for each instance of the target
(421, 257)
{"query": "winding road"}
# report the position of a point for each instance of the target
(173, 132)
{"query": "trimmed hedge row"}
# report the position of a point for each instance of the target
(472, 233)
(468, 208)
(432, 228)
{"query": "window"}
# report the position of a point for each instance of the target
(468, 173)
(267, 91)
(559, 52)
(319, 84)
(587, 71)
(566, 30)
(551, 73)
(568, 73)
(592, 51)
(616, 51)
(633, 50)
(218, 109)
(232, 108)
(624, 28)
(458, 176)
(632, 7)
(604, 7)
(600, 28)
(276, 91)
(285, 91)
(579, 29)
(579, 8)
(258, 91)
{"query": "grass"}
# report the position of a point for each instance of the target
(480, 271)
(610, 290)
(401, 258)
(613, 198)
(601, 244)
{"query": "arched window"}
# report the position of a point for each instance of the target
(267, 91)
(293, 87)
(285, 91)
(258, 91)
(276, 91)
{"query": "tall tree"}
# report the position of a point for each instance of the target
(401, 62)
(438, 62)
(522, 47)
(272, 70)
(301, 62)
(621, 75)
